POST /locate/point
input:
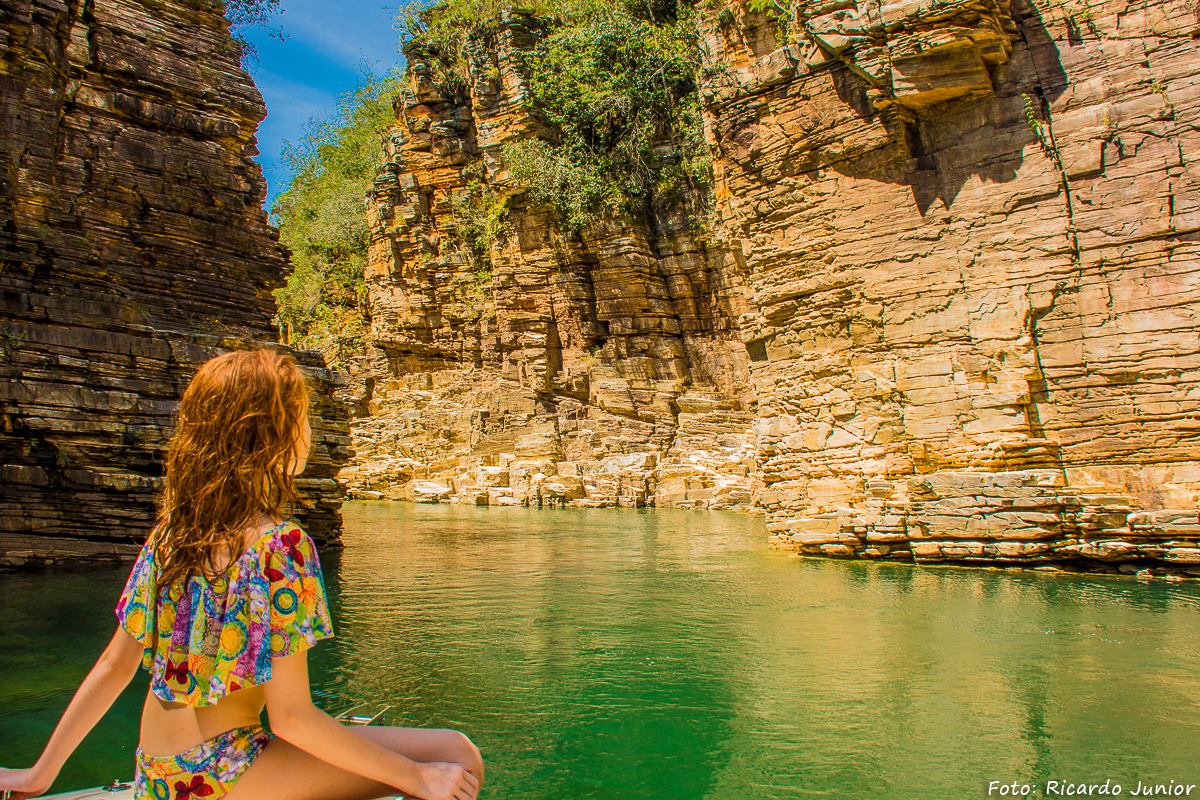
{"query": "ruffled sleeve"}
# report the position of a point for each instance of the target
(299, 608)
(136, 609)
(210, 636)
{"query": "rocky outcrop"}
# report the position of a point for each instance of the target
(558, 369)
(975, 272)
(134, 248)
(948, 310)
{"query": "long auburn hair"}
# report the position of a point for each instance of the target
(238, 430)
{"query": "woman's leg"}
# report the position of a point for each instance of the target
(283, 771)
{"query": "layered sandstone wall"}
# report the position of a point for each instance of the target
(134, 248)
(948, 310)
(973, 236)
(601, 369)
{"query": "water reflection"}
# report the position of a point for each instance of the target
(604, 653)
(571, 654)
(670, 653)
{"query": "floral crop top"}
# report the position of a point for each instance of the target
(218, 636)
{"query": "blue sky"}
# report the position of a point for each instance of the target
(325, 50)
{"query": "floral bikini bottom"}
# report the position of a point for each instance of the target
(207, 770)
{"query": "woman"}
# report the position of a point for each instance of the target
(221, 607)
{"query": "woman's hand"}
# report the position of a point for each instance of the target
(24, 783)
(444, 780)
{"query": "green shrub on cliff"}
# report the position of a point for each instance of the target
(616, 81)
(619, 88)
(440, 33)
(322, 220)
(575, 186)
(479, 216)
(784, 12)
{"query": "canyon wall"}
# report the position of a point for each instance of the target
(973, 235)
(600, 369)
(947, 311)
(134, 248)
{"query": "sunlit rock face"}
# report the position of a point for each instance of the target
(601, 369)
(971, 239)
(948, 310)
(134, 248)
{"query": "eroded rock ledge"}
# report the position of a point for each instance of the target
(949, 311)
(977, 298)
(134, 248)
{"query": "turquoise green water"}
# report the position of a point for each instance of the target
(614, 653)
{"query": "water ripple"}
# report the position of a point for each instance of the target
(605, 653)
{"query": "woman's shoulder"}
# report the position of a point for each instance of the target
(278, 535)
(287, 544)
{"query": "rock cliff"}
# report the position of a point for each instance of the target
(972, 235)
(946, 311)
(601, 369)
(134, 248)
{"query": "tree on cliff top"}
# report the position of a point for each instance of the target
(322, 220)
(621, 91)
(245, 14)
(250, 12)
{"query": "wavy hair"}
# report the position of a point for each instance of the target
(237, 434)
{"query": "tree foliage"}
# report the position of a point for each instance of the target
(250, 12)
(621, 90)
(322, 220)
(616, 80)
(245, 14)
(439, 34)
(784, 12)
(479, 219)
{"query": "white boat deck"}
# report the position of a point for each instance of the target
(124, 793)
(108, 793)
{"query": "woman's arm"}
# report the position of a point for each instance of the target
(295, 719)
(112, 672)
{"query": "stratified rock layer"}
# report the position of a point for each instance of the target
(948, 311)
(560, 370)
(975, 281)
(134, 248)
